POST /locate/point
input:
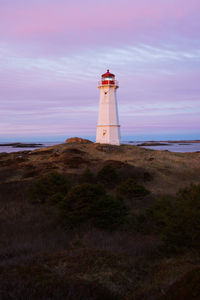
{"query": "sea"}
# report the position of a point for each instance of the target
(169, 146)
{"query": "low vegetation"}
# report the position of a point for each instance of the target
(90, 203)
(50, 188)
(108, 227)
(108, 176)
(131, 189)
(177, 219)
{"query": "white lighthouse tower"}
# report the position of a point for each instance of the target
(108, 128)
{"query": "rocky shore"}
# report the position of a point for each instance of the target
(153, 144)
(22, 145)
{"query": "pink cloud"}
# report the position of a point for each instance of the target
(34, 20)
(52, 52)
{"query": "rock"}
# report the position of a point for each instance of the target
(154, 144)
(21, 145)
(108, 148)
(77, 140)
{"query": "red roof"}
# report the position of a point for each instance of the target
(108, 74)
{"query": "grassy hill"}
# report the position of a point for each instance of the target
(42, 257)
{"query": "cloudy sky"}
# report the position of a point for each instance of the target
(52, 53)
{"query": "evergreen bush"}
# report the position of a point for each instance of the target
(90, 203)
(50, 188)
(87, 177)
(178, 220)
(131, 189)
(108, 175)
(108, 212)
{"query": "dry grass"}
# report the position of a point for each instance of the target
(170, 171)
(36, 253)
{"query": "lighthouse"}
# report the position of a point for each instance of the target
(108, 128)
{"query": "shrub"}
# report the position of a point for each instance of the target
(87, 177)
(184, 229)
(178, 220)
(89, 202)
(108, 175)
(75, 207)
(51, 187)
(131, 189)
(161, 213)
(108, 212)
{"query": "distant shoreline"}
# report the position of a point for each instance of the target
(168, 143)
(182, 142)
(30, 144)
(21, 145)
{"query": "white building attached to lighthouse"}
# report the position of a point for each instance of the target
(108, 128)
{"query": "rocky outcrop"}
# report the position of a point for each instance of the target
(77, 140)
(154, 144)
(21, 145)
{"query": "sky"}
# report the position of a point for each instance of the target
(53, 52)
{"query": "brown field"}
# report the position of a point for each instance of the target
(170, 171)
(88, 263)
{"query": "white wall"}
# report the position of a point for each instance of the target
(108, 130)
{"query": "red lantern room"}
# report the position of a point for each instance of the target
(108, 78)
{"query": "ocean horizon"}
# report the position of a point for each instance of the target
(170, 145)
